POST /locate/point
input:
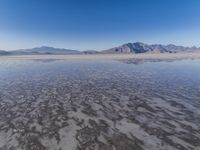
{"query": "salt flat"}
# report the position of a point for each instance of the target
(100, 105)
(152, 56)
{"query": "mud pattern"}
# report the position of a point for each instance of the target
(99, 105)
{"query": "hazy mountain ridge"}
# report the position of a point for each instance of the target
(137, 47)
(45, 50)
(2, 52)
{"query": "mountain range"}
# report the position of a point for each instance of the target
(139, 47)
(134, 48)
(45, 50)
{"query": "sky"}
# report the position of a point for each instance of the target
(97, 24)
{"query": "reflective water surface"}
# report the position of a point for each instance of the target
(101, 105)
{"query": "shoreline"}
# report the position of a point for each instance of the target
(143, 56)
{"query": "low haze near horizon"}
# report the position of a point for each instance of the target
(97, 24)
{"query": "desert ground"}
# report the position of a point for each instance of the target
(49, 103)
(142, 56)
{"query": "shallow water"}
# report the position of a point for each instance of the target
(66, 105)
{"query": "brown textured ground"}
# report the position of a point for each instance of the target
(101, 105)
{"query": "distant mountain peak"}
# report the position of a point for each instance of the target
(45, 46)
(45, 50)
(139, 47)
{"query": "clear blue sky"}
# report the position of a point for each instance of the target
(97, 24)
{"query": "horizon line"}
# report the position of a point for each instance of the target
(97, 49)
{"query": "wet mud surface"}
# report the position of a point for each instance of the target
(103, 105)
